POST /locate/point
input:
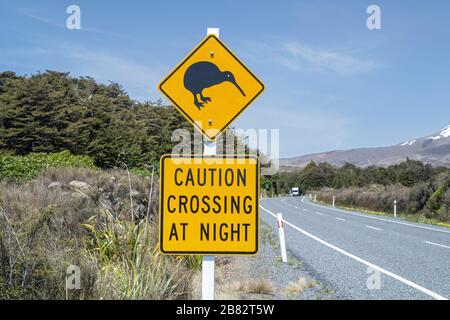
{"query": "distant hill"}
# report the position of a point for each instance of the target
(433, 149)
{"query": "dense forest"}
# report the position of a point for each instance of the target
(420, 189)
(52, 111)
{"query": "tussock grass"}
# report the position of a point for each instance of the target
(294, 288)
(256, 286)
(44, 230)
(130, 264)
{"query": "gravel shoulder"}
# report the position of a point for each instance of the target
(265, 276)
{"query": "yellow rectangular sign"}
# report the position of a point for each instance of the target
(209, 205)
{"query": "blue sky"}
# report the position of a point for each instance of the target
(330, 82)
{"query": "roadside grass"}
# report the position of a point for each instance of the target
(267, 235)
(192, 262)
(256, 286)
(412, 217)
(294, 262)
(130, 265)
(45, 230)
(294, 288)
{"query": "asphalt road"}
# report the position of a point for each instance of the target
(363, 256)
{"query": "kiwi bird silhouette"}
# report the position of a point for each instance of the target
(202, 75)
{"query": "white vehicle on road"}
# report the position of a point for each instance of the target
(295, 192)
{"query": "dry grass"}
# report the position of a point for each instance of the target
(228, 289)
(130, 265)
(44, 230)
(255, 286)
(294, 288)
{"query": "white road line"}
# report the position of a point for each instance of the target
(340, 219)
(437, 244)
(320, 214)
(375, 218)
(370, 227)
(373, 266)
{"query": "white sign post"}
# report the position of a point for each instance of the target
(334, 201)
(281, 234)
(209, 262)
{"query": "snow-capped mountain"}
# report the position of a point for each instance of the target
(433, 149)
(445, 133)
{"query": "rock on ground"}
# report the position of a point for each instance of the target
(79, 185)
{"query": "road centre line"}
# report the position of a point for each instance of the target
(369, 264)
(340, 219)
(370, 227)
(437, 244)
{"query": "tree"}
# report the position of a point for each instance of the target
(51, 112)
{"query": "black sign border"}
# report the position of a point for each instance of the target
(161, 207)
(213, 138)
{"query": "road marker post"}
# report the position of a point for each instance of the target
(395, 208)
(334, 201)
(315, 198)
(280, 224)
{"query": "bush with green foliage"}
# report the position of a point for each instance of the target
(418, 188)
(20, 168)
(51, 111)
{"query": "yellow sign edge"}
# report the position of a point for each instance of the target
(211, 253)
(203, 132)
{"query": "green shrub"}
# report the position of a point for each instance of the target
(144, 172)
(193, 262)
(27, 167)
(434, 202)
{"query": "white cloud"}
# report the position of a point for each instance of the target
(83, 28)
(303, 130)
(297, 56)
(138, 79)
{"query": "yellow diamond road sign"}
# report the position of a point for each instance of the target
(209, 205)
(211, 87)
